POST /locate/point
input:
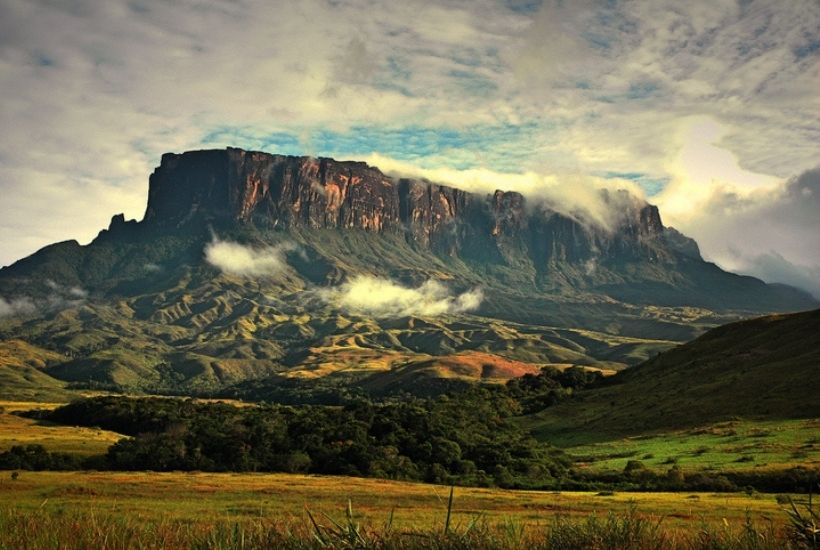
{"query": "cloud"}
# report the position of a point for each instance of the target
(703, 170)
(16, 307)
(385, 298)
(247, 261)
(588, 199)
(57, 298)
(770, 230)
(774, 268)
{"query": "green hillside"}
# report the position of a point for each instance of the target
(189, 328)
(766, 368)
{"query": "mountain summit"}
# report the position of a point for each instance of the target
(252, 266)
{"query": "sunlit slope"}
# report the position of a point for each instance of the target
(182, 325)
(763, 368)
(22, 373)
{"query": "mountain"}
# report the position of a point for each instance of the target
(762, 368)
(249, 266)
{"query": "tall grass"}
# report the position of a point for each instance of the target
(65, 529)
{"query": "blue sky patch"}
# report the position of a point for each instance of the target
(651, 185)
(500, 147)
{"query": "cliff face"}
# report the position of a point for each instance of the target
(224, 187)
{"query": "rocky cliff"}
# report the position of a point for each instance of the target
(228, 187)
(349, 218)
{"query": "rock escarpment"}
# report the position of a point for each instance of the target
(229, 187)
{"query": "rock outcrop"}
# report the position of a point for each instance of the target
(225, 187)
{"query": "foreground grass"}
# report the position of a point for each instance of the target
(198, 497)
(120, 510)
(632, 531)
(207, 510)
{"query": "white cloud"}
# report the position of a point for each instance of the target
(59, 297)
(702, 171)
(16, 306)
(248, 261)
(573, 195)
(771, 231)
(385, 298)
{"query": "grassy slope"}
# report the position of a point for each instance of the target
(22, 376)
(727, 446)
(764, 368)
(182, 326)
(16, 430)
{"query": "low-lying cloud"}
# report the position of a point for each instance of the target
(386, 298)
(248, 261)
(774, 268)
(57, 298)
(16, 306)
(590, 200)
(770, 230)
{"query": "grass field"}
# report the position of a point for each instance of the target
(16, 430)
(207, 497)
(86, 509)
(733, 445)
(199, 510)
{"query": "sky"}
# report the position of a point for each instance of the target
(710, 109)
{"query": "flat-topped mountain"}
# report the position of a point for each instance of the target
(233, 186)
(255, 266)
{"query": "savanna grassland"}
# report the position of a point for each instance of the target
(90, 509)
(76, 440)
(626, 440)
(180, 510)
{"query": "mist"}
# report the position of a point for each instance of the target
(598, 202)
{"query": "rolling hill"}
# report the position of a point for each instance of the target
(766, 368)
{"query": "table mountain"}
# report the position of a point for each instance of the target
(246, 266)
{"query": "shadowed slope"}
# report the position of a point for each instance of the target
(766, 368)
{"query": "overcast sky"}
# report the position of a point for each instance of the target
(710, 107)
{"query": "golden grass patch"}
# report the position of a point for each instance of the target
(202, 497)
(17, 430)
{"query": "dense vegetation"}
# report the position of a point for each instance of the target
(465, 439)
(471, 437)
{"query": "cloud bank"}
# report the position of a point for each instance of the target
(385, 298)
(16, 307)
(247, 261)
(771, 230)
(589, 199)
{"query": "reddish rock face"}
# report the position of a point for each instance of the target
(236, 186)
(227, 187)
